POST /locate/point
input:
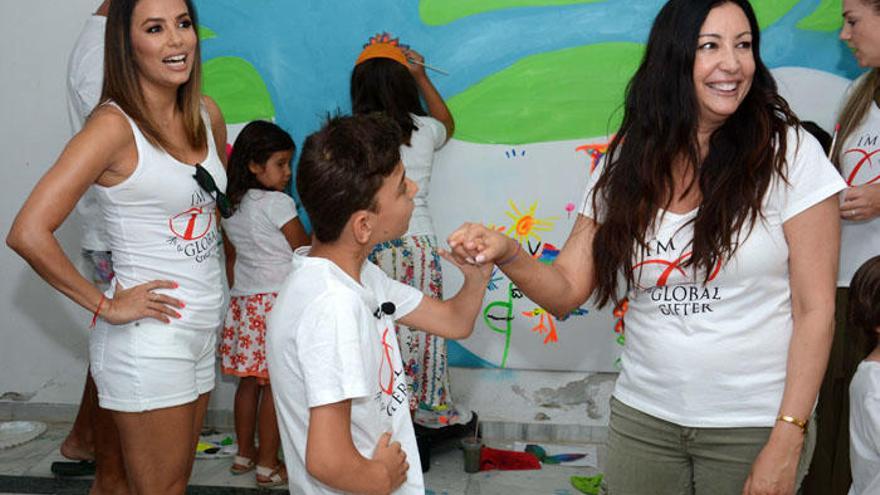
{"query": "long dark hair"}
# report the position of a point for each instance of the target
(121, 82)
(384, 85)
(255, 144)
(660, 124)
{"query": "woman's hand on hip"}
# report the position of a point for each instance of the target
(142, 301)
(861, 203)
(774, 471)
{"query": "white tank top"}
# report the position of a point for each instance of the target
(162, 226)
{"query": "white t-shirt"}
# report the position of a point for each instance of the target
(860, 165)
(418, 159)
(325, 345)
(864, 429)
(715, 355)
(262, 253)
(85, 75)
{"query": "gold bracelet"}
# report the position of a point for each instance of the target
(800, 423)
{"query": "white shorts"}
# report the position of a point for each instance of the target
(146, 365)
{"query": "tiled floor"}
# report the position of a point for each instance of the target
(25, 469)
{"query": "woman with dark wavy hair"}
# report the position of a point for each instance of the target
(714, 222)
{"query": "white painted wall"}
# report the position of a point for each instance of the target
(43, 340)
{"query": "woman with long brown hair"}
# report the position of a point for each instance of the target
(714, 219)
(857, 156)
(153, 148)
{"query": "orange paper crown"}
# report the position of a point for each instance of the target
(383, 45)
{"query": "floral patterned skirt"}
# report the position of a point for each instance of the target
(243, 346)
(414, 261)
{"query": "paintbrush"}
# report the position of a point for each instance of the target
(436, 69)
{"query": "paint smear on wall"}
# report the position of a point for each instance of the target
(238, 89)
(826, 17)
(770, 11)
(439, 12)
(566, 94)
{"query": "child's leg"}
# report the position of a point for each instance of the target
(245, 411)
(80, 442)
(270, 439)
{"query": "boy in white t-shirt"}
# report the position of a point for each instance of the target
(339, 387)
(864, 390)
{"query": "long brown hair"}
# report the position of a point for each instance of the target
(865, 94)
(659, 127)
(121, 84)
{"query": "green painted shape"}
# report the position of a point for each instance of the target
(439, 12)
(770, 11)
(826, 18)
(567, 94)
(206, 33)
(238, 89)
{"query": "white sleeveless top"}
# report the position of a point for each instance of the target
(162, 226)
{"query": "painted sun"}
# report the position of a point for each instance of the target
(525, 225)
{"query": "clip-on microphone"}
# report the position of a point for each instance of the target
(387, 308)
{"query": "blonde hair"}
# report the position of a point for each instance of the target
(865, 94)
(121, 84)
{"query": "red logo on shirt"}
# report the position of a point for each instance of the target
(866, 158)
(191, 225)
(668, 268)
(386, 367)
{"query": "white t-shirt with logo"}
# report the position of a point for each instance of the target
(860, 165)
(262, 253)
(715, 355)
(326, 343)
(418, 159)
(864, 429)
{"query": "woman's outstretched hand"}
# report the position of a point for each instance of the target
(479, 245)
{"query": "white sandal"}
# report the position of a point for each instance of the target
(241, 465)
(277, 476)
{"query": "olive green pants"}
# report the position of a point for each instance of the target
(650, 456)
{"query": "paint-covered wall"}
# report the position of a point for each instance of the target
(534, 85)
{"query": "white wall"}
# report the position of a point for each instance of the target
(43, 340)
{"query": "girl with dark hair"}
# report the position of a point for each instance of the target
(152, 352)
(864, 415)
(390, 79)
(714, 218)
(259, 241)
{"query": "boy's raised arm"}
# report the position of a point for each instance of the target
(332, 458)
(454, 317)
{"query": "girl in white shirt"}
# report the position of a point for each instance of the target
(389, 78)
(864, 391)
(259, 239)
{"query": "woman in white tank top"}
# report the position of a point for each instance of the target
(152, 353)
